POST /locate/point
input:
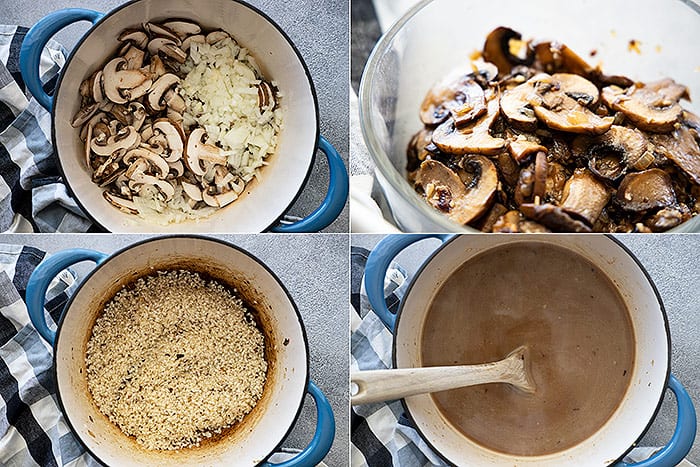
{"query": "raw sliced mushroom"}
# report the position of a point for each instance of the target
(177, 169)
(197, 152)
(187, 43)
(154, 160)
(192, 190)
(646, 109)
(158, 30)
(182, 28)
(682, 148)
(115, 80)
(126, 138)
(135, 37)
(134, 58)
(219, 200)
(174, 101)
(125, 205)
(158, 90)
(584, 197)
(84, 114)
(266, 96)
(173, 136)
(499, 47)
(471, 139)
(650, 189)
(139, 179)
(446, 189)
(216, 36)
(156, 67)
(459, 95)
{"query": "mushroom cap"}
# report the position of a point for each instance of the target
(127, 138)
(578, 88)
(682, 148)
(446, 190)
(182, 28)
(612, 153)
(497, 50)
(196, 152)
(158, 89)
(553, 217)
(471, 139)
(173, 136)
(584, 197)
(457, 93)
(650, 189)
(645, 108)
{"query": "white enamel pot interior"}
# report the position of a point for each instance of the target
(260, 432)
(649, 374)
(437, 36)
(280, 182)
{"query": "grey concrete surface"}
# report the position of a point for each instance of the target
(314, 268)
(672, 262)
(319, 29)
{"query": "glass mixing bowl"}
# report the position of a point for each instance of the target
(436, 36)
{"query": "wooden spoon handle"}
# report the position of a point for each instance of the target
(382, 385)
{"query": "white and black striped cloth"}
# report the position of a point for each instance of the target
(33, 196)
(380, 434)
(32, 429)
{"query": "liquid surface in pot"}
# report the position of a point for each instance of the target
(579, 335)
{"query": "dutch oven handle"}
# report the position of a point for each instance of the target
(41, 278)
(35, 41)
(377, 264)
(683, 436)
(321, 443)
(335, 198)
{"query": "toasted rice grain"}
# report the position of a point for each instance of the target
(175, 359)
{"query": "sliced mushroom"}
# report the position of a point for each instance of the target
(578, 88)
(192, 191)
(138, 115)
(173, 136)
(135, 37)
(266, 96)
(488, 220)
(134, 58)
(84, 114)
(648, 110)
(540, 186)
(154, 160)
(125, 205)
(174, 52)
(458, 94)
(584, 197)
(219, 200)
(139, 178)
(612, 153)
(187, 43)
(216, 36)
(668, 88)
(521, 148)
(158, 30)
(499, 47)
(668, 218)
(556, 179)
(446, 190)
(516, 105)
(156, 67)
(124, 139)
(197, 151)
(177, 169)
(158, 90)
(682, 148)
(182, 28)
(98, 94)
(174, 101)
(553, 57)
(115, 80)
(471, 139)
(559, 111)
(650, 189)
(553, 217)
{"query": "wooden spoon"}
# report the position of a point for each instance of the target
(382, 385)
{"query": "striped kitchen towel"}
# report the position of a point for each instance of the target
(380, 434)
(33, 196)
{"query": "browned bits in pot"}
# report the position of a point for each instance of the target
(175, 359)
(570, 148)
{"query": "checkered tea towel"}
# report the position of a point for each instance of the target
(33, 196)
(380, 434)
(32, 429)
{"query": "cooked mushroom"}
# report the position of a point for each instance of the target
(459, 95)
(682, 148)
(156, 67)
(446, 189)
(525, 187)
(488, 220)
(471, 139)
(553, 217)
(521, 148)
(516, 104)
(669, 89)
(584, 197)
(648, 110)
(155, 95)
(668, 218)
(612, 153)
(650, 189)
(578, 88)
(499, 47)
(553, 57)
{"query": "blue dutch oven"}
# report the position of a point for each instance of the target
(280, 183)
(651, 370)
(260, 433)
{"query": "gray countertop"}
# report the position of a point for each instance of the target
(672, 262)
(314, 268)
(319, 29)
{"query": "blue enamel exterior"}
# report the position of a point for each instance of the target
(41, 278)
(35, 41)
(335, 199)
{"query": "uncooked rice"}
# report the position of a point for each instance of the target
(175, 359)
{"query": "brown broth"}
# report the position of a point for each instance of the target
(575, 324)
